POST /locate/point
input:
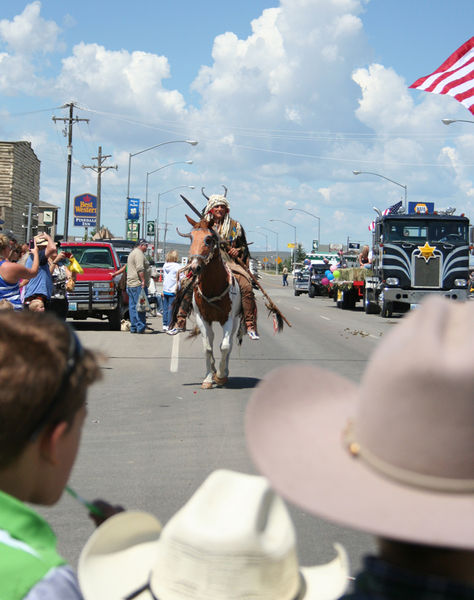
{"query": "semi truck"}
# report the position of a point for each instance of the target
(414, 255)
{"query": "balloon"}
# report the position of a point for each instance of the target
(330, 276)
(336, 274)
(325, 281)
(327, 273)
(332, 268)
(307, 261)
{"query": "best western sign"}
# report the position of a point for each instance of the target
(85, 210)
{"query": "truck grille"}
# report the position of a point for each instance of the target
(427, 274)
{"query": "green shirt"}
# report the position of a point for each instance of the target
(27, 548)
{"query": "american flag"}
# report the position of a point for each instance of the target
(392, 209)
(454, 77)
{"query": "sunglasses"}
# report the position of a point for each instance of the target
(75, 353)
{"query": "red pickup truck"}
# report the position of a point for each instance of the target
(96, 292)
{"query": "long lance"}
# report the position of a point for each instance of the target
(272, 307)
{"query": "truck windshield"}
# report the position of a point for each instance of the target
(92, 256)
(452, 232)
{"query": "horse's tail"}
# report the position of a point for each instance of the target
(194, 332)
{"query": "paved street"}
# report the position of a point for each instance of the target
(152, 434)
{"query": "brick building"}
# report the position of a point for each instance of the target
(19, 185)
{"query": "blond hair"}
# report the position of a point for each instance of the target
(172, 256)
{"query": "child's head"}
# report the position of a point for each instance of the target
(44, 376)
(172, 256)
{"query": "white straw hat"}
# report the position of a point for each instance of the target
(233, 540)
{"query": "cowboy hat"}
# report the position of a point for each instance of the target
(393, 456)
(234, 539)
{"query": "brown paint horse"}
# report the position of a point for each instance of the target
(216, 298)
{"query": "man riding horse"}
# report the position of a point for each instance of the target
(232, 232)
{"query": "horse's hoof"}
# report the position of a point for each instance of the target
(206, 385)
(220, 381)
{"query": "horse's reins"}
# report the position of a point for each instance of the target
(206, 260)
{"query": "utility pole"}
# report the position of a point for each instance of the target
(70, 121)
(100, 158)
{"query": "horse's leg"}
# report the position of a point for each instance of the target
(207, 343)
(229, 329)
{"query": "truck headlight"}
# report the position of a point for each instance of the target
(460, 282)
(392, 281)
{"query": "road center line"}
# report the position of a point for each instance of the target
(325, 318)
(174, 363)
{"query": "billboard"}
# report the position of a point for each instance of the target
(85, 210)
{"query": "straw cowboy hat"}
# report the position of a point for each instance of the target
(393, 456)
(232, 540)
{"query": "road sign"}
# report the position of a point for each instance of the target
(150, 227)
(315, 244)
(85, 210)
(133, 230)
(290, 245)
(133, 212)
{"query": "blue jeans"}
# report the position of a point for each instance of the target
(167, 302)
(137, 319)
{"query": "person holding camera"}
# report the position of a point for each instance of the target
(11, 273)
(40, 287)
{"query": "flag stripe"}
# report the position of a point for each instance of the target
(455, 77)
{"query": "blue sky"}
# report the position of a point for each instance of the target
(285, 104)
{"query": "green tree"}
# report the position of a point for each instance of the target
(300, 254)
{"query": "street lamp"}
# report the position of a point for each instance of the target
(294, 243)
(131, 154)
(449, 121)
(311, 215)
(157, 228)
(276, 257)
(166, 225)
(266, 246)
(176, 162)
(383, 177)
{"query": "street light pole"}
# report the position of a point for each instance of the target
(383, 177)
(276, 257)
(176, 162)
(311, 215)
(449, 121)
(294, 243)
(178, 187)
(131, 154)
(166, 224)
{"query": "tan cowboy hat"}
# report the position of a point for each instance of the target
(233, 540)
(393, 456)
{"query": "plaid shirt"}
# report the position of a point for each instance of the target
(382, 581)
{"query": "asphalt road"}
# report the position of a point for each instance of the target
(152, 434)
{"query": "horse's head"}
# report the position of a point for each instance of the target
(204, 242)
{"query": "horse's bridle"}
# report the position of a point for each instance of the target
(214, 242)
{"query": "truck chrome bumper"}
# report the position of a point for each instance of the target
(416, 296)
